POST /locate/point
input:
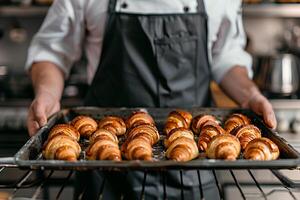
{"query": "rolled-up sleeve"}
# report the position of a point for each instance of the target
(228, 50)
(59, 38)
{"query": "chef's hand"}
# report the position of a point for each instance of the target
(48, 83)
(261, 106)
(43, 106)
(242, 89)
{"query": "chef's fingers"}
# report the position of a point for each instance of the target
(269, 115)
(39, 110)
(32, 124)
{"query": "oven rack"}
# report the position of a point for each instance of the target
(40, 181)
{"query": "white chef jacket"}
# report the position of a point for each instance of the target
(72, 26)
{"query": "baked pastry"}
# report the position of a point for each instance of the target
(182, 149)
(138, 118)
(85, 125)
(208, 132)
(199, 121)
(103, 134)
(236, 120)
(261, 149)
(147, 131)
(137, 149)
(114, 124)
(103, 146)
(177, 133)
(224, 146)
(246, 133)
(64, 129)
(61, 147)
(177, 119)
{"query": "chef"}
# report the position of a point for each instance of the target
(144, 53)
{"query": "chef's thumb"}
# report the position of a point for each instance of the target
(40, 115)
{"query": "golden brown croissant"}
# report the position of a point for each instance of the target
(177, 119)
(199, 121)
(61, 147)
(114, 124)
(103, 146)
(147, 131)
(137, 149)
(261, 149)
(85, 125)
(64, 129)
(234, 121)
(138, 118)
(182, 149)
(177, 133)
(224, 146)
(103, 134)
(246, 133)
(210, 130)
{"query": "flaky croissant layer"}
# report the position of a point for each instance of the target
(137, 118)
(114, 124)
(177, 119)
(61, 147)
(199, 122)
(246, 133)
(224, 146)
(236, 120)
(182, 149)
(85, 125)
(261, 149)
(208, 132)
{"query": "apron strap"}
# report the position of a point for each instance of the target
(112, 6)
(201, 6)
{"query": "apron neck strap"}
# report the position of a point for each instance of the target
(201, 6)
(112, 6)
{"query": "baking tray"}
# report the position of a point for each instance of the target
(30, 156)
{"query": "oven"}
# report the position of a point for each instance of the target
(18, 183)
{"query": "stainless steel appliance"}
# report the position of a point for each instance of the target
(279, 74)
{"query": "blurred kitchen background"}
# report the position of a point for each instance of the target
(273, 35)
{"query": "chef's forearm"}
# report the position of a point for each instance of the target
(47, 78)
(239, 86)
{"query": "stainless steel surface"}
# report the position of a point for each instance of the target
(279, 74)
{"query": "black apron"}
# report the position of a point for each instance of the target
(151, 60)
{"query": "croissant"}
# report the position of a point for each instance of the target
(176, 133)
(210, 130)
(64, 129)
(114, 124)
(147, 131)
(85, 125)
(137, 149)
(61, 147)
(199, 121)
(103, 134)
(261, 149)
(103, 146)
(138, 118)
(224, 146)
(177, 119)
(236, 120)
(182, 149)
(246, 133)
